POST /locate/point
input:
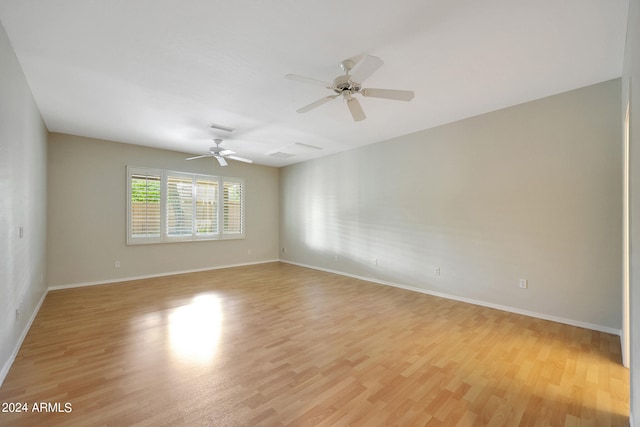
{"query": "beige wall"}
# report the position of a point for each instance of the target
(23, 203)
(87, 214)
(532, 191)
(631, 85)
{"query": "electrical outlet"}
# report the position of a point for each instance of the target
(436, 271)
(17, 313)
(335, 258)
(249, 252)
(117, 264)
(284, 250)
(523, 284)
(375, 261)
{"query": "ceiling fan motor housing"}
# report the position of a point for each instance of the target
(344, 83)
(217, 148)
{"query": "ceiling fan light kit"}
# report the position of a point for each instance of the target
(349, 84)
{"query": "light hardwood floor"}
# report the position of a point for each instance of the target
(276, 344)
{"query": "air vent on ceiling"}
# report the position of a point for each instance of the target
(292, 150)
(221, 127)
(313, 147)
(280, 155)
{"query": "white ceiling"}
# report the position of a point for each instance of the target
(159, 72)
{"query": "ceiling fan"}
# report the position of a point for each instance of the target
(348, 85)
(221, 154)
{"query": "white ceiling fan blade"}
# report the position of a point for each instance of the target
(316, 104)
(304, 79)
(226, 152)
(356, 109)
(366, 68)
(240, 159)
(398, 95)
(199, 157)
(221, 160)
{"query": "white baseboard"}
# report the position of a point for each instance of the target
(150, 276)
(25, 331)
(536, 315)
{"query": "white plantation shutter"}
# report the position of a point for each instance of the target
(179, 206)
(144, 219)
(206, 207)
(166, 206)
(233, 203)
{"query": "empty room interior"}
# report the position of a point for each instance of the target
(320, 213)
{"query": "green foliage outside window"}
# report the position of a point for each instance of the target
(145, 189)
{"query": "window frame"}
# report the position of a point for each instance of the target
(164, 236)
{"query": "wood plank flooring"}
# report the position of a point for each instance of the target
(280, 345)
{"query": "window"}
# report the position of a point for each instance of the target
(144, 210)
(206, 206)
(168, 206)
(179, 206)
(232, 207)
